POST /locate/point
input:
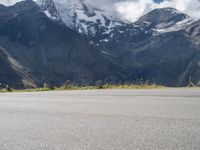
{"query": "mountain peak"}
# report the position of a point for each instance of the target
(163, 15)
(78, 15)
(9, 2)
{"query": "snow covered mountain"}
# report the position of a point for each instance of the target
(76, 14)
(82, 17)
(154, 23)
(101, 28)
(79, 15)
(9, 2)
(51, 41)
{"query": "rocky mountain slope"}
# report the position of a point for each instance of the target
(51, 41)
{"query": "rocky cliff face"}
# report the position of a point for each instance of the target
(51, 41)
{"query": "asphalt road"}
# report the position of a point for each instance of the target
(167, 119)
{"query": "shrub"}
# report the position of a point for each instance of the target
(67, 84)
(51, 87)
(48, 86)
(45, 86)
(8, 88)
(198, 84)
(106, 86)
(99, 84)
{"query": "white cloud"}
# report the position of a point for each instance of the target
(133, 9)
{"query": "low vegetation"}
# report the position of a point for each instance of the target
(68, 85)
(99, 85)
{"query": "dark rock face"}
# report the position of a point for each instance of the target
(8, 75)
(36, 50)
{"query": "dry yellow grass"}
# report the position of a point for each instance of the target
(74, 87)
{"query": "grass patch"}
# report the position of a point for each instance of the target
(75, 87)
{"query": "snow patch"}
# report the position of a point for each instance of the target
(104, 52)
(178, 26)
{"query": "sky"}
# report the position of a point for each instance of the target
(133, 9)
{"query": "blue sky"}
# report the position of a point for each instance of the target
(157, 1)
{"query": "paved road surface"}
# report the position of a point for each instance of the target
(166, 119)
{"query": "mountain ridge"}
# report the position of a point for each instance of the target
(36, 48)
